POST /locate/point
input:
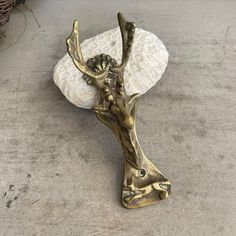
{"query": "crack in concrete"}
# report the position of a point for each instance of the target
(32, 13)
(226, 42)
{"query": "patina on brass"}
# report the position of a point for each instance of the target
(143, 183)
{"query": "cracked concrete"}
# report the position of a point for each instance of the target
(61, 169)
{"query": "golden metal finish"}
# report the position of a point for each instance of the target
(143, 183)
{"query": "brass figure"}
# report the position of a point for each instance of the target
(143, 183)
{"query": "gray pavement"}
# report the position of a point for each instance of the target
(61, 169)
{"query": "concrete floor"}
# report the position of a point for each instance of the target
(61, 169)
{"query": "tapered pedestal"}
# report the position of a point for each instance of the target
(145, 186)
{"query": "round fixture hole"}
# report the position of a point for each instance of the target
(142, 172)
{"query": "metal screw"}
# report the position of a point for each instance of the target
(142, 172)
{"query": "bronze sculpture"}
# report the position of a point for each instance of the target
(143, 183)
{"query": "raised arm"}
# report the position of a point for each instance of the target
(74, 50)
(127, 33)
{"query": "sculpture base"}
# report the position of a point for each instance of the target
(145, 186)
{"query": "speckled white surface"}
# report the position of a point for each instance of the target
(146, 65)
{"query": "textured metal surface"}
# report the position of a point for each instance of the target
(143, 183)
(193, 125)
